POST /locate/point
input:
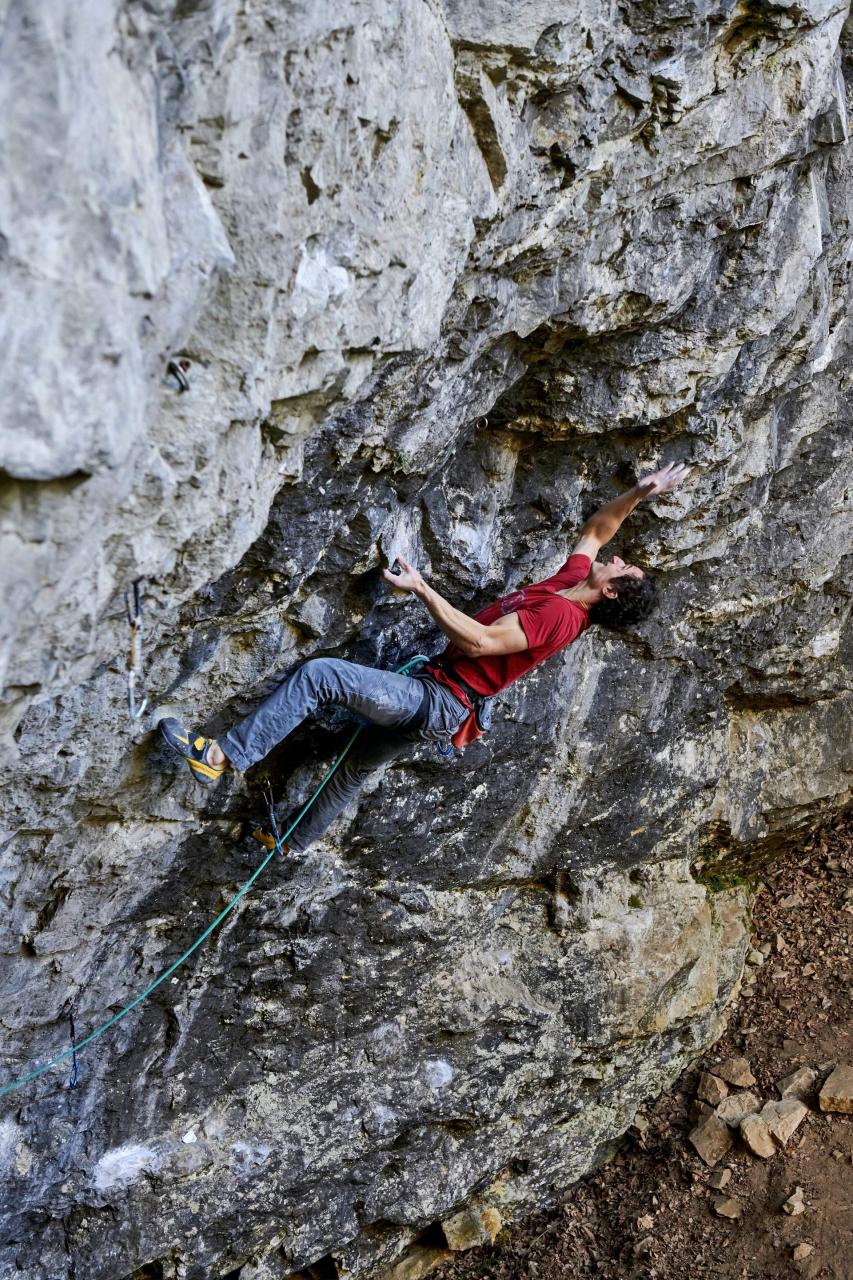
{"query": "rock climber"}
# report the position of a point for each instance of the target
(443, 701)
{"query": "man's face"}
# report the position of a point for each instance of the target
(602, 575)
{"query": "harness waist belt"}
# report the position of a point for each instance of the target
(472, 695)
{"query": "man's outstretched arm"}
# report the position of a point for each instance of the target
(473, 638)
(606, 522)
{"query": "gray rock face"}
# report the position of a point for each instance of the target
(620, 237)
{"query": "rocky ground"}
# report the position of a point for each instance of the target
(655, 1209)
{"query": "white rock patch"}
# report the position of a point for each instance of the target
(122, 1165)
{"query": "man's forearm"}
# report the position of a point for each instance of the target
(605, 522)
(466, 633)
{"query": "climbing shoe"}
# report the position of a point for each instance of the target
(264, 838)
(194, 748)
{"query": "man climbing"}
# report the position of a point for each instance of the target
(440, 702)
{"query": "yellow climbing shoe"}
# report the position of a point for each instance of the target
(264, 838)
(194, 747)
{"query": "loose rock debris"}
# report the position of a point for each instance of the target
(727, 1206)
(837, 1092)
(799, 1084)
(795, 1204)
(757, 1137)
(735, 1071)
(711, 1089)
(737, 1106)
(656, 1212)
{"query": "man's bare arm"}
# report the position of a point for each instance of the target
(606, 522)
(470, 636)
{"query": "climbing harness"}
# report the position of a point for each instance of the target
(134, 664)
(280, 840)
(479, 718)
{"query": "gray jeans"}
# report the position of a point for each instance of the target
(401, 710)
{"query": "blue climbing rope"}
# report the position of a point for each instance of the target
(105, 1026)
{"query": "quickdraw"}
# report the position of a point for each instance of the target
(270, 802)
(134, 665)
(75, 1073)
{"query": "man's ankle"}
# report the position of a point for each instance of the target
(217, 757)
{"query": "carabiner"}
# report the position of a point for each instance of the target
(270, 802)
(178, 369)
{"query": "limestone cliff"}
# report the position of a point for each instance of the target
(443, 277)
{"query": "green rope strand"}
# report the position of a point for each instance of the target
(105, 1026)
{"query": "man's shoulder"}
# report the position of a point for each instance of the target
(575, 569)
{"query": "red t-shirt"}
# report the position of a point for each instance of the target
(549, 621)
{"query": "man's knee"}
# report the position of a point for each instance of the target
(320, 674)
(351, 775)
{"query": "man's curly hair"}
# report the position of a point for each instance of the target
(636, 599)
